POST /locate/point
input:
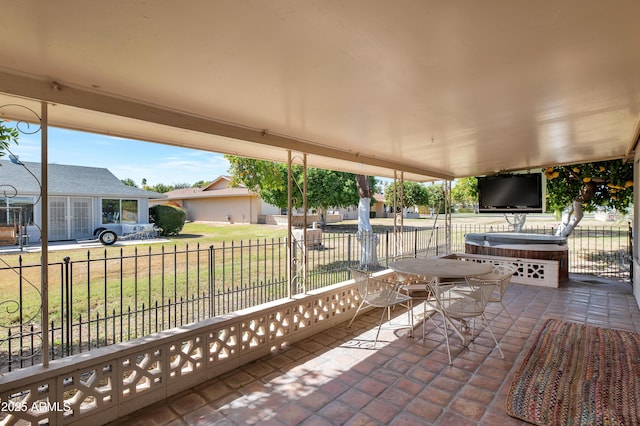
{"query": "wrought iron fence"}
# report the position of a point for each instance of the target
(114, 297)
(601, 251)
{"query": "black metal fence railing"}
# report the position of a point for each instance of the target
(601, 251)
(114, 297)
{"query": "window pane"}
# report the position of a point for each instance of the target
(4, 216)
(26, 206)
(19, 211)
(110, 211)
(129, 211)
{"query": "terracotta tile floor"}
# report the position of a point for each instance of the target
(339, 378)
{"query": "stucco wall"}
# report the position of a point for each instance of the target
(239, 209)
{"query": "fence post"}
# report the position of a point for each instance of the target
(349, 251)
(67, 304)
(211, 290)
(21, 304)
(386, 247)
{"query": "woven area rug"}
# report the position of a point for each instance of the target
(578, 375)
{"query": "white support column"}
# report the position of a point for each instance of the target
(297, 257)
(44, 269)
(303, 266)
(398, 218)
(447, 215)
(290, 239)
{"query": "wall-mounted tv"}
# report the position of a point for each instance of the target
(510, 193)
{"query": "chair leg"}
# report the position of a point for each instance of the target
(485, 324)
(388, 311)
(356, 314)
(380, 324)
(504, 308)
(411, 319)
(446, 338)
(424, 318)
(443, 331)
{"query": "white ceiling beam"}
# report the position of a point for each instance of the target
(60, 93)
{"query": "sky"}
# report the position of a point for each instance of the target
(124, 158)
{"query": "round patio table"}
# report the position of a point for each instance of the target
(440, 268)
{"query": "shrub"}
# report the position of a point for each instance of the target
(169, 218)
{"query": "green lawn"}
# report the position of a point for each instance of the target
(141, 279)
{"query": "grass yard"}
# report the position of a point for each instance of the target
(133, 275)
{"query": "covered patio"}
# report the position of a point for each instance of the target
(336, 377)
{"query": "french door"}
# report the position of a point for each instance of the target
(70, 218)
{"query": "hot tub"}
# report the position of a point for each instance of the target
(521, 245)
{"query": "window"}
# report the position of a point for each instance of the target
(16, 210)
(119, 211)
(129, 211)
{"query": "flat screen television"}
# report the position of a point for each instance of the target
(510, 193)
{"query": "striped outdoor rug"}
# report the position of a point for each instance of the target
(578, 375)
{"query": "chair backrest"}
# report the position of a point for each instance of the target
(361, 278)
(504, 273)
(463, 299)
(500, 276)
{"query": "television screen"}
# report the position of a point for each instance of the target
(517, 193)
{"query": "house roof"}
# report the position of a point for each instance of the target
(431, 88)
(217, 188)
(69, 180)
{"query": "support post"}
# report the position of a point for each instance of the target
(44, 268)
(290, 240)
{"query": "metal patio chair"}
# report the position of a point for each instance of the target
(380, 293)
(460, 304)
(501, 278)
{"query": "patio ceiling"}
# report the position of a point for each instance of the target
(435, 89)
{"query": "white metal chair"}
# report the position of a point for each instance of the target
(415, 287)
(462, 302)
(501, 278)
(380, 293)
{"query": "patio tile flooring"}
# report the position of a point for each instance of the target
(338, 378)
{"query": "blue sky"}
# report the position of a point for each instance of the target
(124, 158)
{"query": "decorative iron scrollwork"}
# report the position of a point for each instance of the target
(20, 331)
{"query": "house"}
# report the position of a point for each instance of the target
(378, 209)
(219, 202)
(81, 199)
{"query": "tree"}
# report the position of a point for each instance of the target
(8, 135)
(160, 188)
(258, 176)
(129, 182)
(413, 194)
(325, 188)
(585, 187)
(435, 194)
(368, 240)
(201, 184)
(465, 191)
(182, 185)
